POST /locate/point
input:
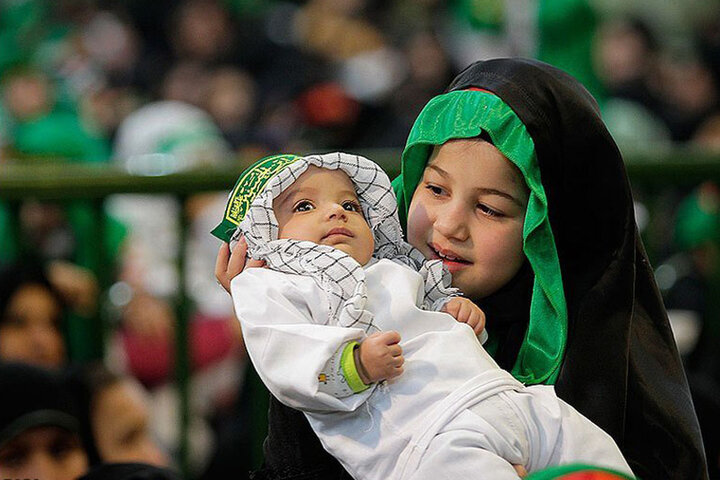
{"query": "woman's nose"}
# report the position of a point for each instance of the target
(451, 222)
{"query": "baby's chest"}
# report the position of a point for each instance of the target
(395, 299)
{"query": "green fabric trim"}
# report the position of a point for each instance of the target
(570, 471)
(251, 182)
(466, 114)
(349, 369)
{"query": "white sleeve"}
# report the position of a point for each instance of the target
(281, 317)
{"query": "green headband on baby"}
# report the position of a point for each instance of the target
(251, 182)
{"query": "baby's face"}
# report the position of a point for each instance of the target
(322, 207)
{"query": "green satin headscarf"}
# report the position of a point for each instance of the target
(466, 114)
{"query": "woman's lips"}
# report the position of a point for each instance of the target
(450, 259)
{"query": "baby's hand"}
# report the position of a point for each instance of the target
(379, 357)
(229, 264)
(465, 311)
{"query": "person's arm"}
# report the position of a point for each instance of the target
(289, 344)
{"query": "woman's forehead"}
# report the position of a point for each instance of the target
(474, 155)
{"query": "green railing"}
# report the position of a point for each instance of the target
(649, 171)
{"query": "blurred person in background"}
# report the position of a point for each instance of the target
(626, 58)
(61, 239)
(691, 95)
(115, 410)
(689, 274)
(559, 32)
(166, 136)
(232, 102)
(39, 426)
(203, 30)
(130, 471)
(690, 280)
(42, 128)
(429, 70)
(31, 317)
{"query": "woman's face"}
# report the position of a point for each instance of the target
(48, 453)
(120, 420)
(468, 210)
(30, 330)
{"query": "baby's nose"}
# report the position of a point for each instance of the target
(336, 210)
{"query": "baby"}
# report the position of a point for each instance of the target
(324, 322)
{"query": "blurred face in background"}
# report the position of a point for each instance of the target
(30, 328)
(47, 453)
(28, 95)
(121, 425)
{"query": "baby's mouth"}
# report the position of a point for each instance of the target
(338, 231)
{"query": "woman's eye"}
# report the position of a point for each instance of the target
(14, 457)
(303, 206)
(489, 211)
(351, 206)
(435, 190)
(13, 320)
(62, 448)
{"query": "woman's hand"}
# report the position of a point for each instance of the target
(230, 264)
(465, 311)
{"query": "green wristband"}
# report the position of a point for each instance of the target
(349, 369)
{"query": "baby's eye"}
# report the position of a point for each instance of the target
(303, 206)
(351, 206)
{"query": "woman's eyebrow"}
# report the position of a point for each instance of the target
(494, 191)
(438, 170)
(480, 190)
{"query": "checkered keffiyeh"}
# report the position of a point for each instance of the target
(337, 273)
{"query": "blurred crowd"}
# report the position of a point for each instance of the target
(90, 80)
(163, 86)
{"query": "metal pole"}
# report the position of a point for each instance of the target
(182, 351)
